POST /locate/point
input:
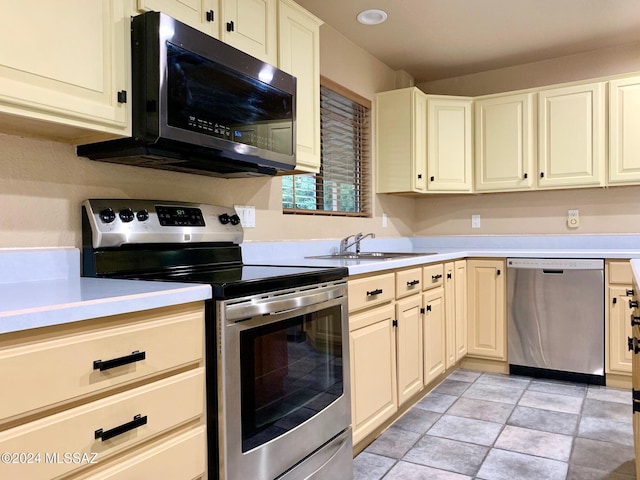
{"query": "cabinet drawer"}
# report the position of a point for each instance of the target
(370, 291)
(165, 404)
(432, 276)
(408, 282)
(46, 371)
(620, 272)
(181, 457)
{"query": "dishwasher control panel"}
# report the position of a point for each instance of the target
(557, 263)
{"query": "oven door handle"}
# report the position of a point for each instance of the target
(282, 303)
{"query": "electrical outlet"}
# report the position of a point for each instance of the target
(573, 218)
(475, 221)
(385, 220)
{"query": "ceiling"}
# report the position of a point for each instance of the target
(435, 39)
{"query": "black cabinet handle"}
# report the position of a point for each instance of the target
(633, 304)
(629, 292)
(419, 175)
(635, 321)
(413, 283)
(633, 345)
(210, 16)
(230, 26)
(436, 277)
(498, 272)
(541, 174)
(373, 293)
(525, 176)
(449, 277)
(137, 421)
(428, 308)
(432, 178)
(116, 362)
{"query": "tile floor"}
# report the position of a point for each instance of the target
(500, 427)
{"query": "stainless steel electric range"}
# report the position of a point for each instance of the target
(277, 349)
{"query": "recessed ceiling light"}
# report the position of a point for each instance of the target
(372, 17)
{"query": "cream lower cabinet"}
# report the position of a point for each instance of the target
(434, 334)
(67, 62)
(409, 347)
(486, 285)
(111, 392)
(619, 313)
(450, 313)
(460, 308)
(575, 156)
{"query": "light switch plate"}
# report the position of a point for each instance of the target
(475, 221)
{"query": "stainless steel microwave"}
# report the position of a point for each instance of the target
(201, 106)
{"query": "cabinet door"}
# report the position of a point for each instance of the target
(450, 314)
(620, 313)
(461, 308)
(571, 136)
(64, 62)
(299, 55)
(449, 144)
(200, 14)
(624, 125)
(434, 335)
(401, 125)
(504, 143)
(372, 346)
(409, 347)
(487, 309)
(251, 26)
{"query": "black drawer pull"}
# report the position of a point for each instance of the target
(413, 283)
(633, 304)
(635, 321)
(629, 293)
(230, 26)
(210, 16)
(436, 277)
(137, 421)
(373, 293)
(116, 362)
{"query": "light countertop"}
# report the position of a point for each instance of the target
(42, 287)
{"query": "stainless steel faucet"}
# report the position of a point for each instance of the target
(357, 238)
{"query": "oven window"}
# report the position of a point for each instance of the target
(290, 371)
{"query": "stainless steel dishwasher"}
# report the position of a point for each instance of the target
(556, 318)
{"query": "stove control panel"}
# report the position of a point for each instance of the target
(114, 222)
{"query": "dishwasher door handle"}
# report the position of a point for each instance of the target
(551, 271)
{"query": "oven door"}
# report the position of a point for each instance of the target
(283, 378)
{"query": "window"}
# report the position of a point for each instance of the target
(342, 185)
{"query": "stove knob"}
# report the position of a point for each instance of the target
(107, 215)
(224, 218)
(126, 215)
(235, 219)
(142, 215)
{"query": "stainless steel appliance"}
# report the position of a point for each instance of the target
(277, 356)
(556, 318)
(202, 106)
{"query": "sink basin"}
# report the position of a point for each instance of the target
(371, 255)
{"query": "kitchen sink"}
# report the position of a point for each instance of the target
(371, 255)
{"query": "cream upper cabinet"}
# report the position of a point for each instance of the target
(63, 63)
(251, 26)
(200, 14)
(505, 142)
(571, 136)
(487, 308)
(401, 125)
(299, 55)
(624, 126)
(449, 144)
